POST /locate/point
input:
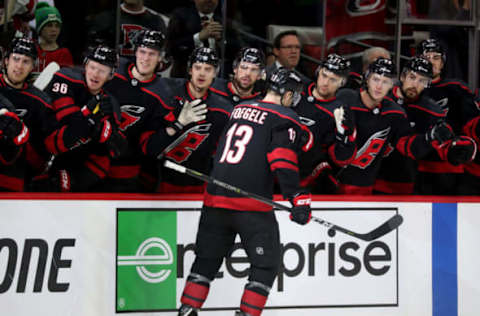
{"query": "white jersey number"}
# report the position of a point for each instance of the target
(235, 154)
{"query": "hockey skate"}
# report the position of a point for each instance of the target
(187, 310)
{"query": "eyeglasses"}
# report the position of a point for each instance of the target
(295, 47)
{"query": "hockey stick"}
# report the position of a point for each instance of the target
(46, 75)
(378, 232)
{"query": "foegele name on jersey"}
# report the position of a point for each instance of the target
(249, 114)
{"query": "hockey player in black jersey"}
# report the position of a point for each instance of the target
(88, 136)
(248, 68)
(397, 172)
(334, 136)
(380, 122)
(458, 102)
(260, 143)
(26, 118)
(144, 107)
(193, 142)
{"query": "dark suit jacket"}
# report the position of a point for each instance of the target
(184, 23)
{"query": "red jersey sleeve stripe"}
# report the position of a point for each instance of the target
(426, 110)
(282, 153)
(65, 112)
(219, 110)
(59, 143)
(283, 165)
(218, 92)
(144, 140)
(63, 102)
(168, 107)
(37, 98)
(70, 79)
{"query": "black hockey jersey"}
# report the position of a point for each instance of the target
(318, 116)
(459, 103)
(85, 160)
(143, 108)
(376, 129)
(18, 164)
(192, 147)
(260, 142)
(397, 172)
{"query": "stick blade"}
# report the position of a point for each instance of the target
(385, 228)
(171, 165)
(46, 75)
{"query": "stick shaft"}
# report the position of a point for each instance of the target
(378, 232)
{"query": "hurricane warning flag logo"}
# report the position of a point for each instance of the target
(364, 7)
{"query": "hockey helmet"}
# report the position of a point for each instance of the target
(419, 65)
(336, 64)
(431, 45)
(381, 66)
(203, 55)
(250, 55)
(103, 55)
(283, 80)
(24, 46)
(149, 38)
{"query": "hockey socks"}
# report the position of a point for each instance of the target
(196, 290)
(254, 298)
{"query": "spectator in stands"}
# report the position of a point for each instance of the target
(191, 27)
(18, 14)
(134, 16)
(48, 26)
(287, 48)
(369, 55)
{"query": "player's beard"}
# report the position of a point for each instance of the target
(411, 93)
(240, 88)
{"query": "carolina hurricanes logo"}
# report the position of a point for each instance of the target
(364, 7)
(443, 103)
(370, 149)
(131, 114)
(181, 149)
(21, 112)
(306, 121)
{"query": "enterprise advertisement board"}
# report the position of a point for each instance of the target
(84, 257)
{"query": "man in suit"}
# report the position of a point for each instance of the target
(287, 48)
(191, 27)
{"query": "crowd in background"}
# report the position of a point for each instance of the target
(106, 123)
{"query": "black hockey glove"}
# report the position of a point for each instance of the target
(345, 124)
(439, 133)
(462, 150)
(301, 212)
(13, 129)
(57, 181)
(93, 106)
(104, 132)
(117, 144)
(110, 107)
